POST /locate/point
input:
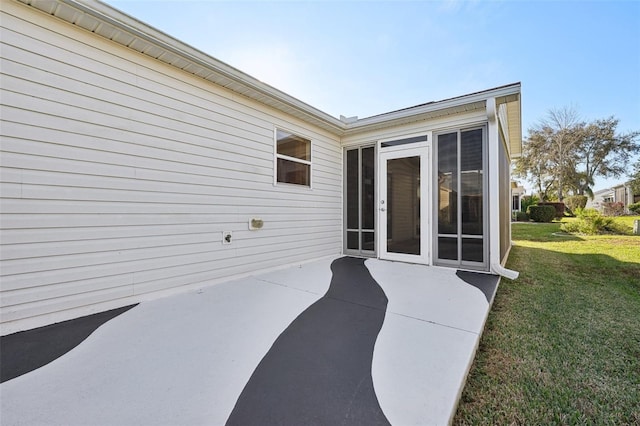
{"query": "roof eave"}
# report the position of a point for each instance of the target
(458, 104)
(108, 22)
(148, 39)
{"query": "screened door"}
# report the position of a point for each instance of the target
(402, 206)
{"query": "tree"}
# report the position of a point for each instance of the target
(530, 166)
(549, 151)
(635, 179)
(563, 153)
(602, 153)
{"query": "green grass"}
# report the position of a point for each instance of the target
(627, 220)
(562, 342)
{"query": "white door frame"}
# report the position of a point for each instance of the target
(414, 150)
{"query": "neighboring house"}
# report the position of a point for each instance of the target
(135, 166)
(517, 192)
(621, 193)
(599, 197)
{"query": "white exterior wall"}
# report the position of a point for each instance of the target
(119, 174)
(619, 194)
(424, 127)
(599, 197)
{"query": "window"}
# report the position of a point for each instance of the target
(293, 159)
(360, 200)
(460, 203)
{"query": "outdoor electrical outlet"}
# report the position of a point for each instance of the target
(226, 237)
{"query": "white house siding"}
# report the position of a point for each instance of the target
(420, 127)
(120, 173)
(599, 197)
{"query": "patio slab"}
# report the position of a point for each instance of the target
(187, 359)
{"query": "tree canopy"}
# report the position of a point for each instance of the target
(635, 178)
(563, 154)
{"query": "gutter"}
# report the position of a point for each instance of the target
(494, 196)
(457, 101)
(504, 272)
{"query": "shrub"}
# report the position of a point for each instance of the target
(527, 201)
(520, 217)
(613, 209)
(541, 213)
(591, 222)
(576, 202)
(635, 207)
(559, 208)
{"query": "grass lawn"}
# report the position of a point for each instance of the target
(562, 342)
(627, 220)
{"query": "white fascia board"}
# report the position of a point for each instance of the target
(257, 89)
(436, 106)
(156, 38)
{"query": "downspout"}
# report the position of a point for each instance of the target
(494, 194)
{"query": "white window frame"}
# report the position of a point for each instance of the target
(486, 236)
(277, 156)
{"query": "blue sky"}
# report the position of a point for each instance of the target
(368, 57)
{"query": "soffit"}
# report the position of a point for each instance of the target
(514, 122)
(109, 23)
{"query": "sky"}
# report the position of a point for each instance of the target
(362, 58)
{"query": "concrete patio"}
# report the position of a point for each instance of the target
(208, 357)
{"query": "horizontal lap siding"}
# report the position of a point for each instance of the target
(119, 174)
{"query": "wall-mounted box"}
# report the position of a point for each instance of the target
(255, 223)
